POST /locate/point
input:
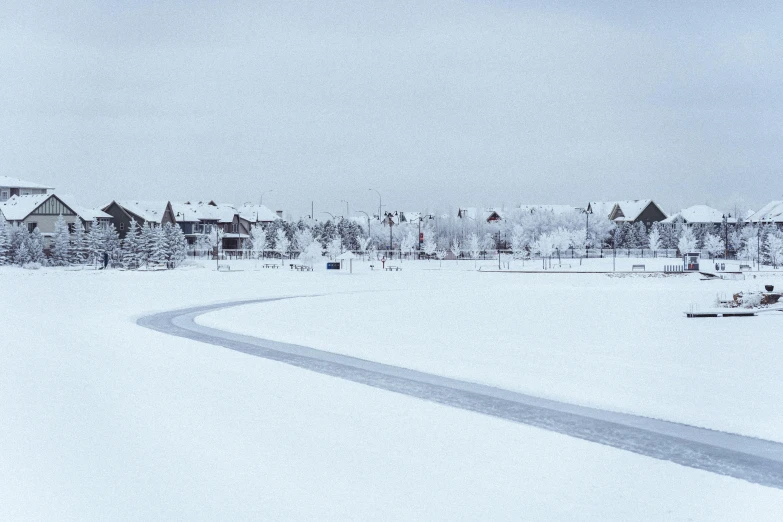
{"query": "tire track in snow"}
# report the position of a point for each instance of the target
(747, 458)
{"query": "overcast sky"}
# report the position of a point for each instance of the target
(431, 103)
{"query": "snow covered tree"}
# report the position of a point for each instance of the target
(714, 245)
(456, 248)
(518, 243)
(687, 241)
(132, 250)
(19, 252)
(312, 253)
(95, 246)
(147, 243)
(282, 244)
(78, 243)
(35, 247)
(654, 237)
(5, 244)
(408, 244)
(157, 249)
(258, 240)
(60, 243)
(640, 236)
(773, 248)
(111, 243)
(334, 248)
(175, 245)
(544, 245)
(429, 245)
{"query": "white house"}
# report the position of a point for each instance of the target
(10, 187)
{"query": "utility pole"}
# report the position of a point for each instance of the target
(380, 203)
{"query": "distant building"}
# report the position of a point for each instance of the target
(489, 214)
(43, 210)
(771, 213)
(123, 212)
(631, 211)
(553, 209)
(10, 187)
(700, 215)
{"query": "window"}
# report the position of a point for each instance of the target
(32, 226)
(122, 226)
(4, 195)
(234, 228)
(71, 228)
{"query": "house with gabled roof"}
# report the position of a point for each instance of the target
(42, 211)
(10, 187)
(123, 212)
(630, 211)
(489, 215)
(771, 213)
(700, 215)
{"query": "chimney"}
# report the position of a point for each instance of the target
(279, 214)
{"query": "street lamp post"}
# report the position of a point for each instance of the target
(265, 192)
(368, 223)
(726, 236)
(347, 212)
(380, 202)
(390, 220)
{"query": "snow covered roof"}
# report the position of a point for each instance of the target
(628, 210)
(554, 209)
(7, 181)
(151, 211)
(18, 208)
(257, 213)
(700, 214)
(485, 214)
(771, 212)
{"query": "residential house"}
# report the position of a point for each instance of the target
(43, 210)
(10, 187)
(631, 211)
(489, 215)
(700, 215)
(553, 209)
(122, 212)
(771, 213)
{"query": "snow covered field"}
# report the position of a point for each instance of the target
(106, 420)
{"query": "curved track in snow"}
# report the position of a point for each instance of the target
(755, 460)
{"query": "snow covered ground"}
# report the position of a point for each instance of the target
(106, 420)
(614, 343)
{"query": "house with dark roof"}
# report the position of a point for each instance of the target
(630, 211)
(123, 212)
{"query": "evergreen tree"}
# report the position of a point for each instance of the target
(654, 237)
(22, 254)
(158, 247)
(147, 243)
(111, 243)
(131, 247)
(35, 247)
(78, 243)
(640, 236)
(60, 243)
(95, 243)
(18, 237)
(5, 244)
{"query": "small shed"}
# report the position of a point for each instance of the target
(690, 261)
(347, 256)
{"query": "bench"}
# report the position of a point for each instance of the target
(395, 268)
(744, 267)
(303, 268)
(224, 268)
(639, 267)
(271, 265)
(372, 267)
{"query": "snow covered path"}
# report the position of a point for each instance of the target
(746, 458)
